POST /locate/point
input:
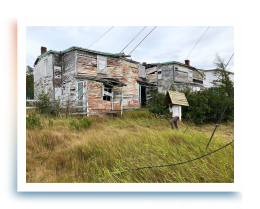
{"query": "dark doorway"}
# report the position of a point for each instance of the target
(143, 96)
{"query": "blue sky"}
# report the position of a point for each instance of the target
(165, 43)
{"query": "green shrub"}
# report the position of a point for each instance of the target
(80, 123)
(207, 106)
(156, 105)
(44, 103)
(204, 106)
(33, 121)
(50, 122)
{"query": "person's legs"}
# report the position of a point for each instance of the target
(171, 122)
(176, 124)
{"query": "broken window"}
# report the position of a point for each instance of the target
(107, 92)
(80, 93)
(101, 65)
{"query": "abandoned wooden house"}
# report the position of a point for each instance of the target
(166, 74)
(102, 82)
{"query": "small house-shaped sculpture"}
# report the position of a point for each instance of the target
(175, 100)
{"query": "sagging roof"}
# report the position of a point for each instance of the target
(145, 83)
(216, 69)
(117, 55)
(175, 98)
(108, 81)
(178, 63)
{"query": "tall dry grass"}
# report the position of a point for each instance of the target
(138, 139)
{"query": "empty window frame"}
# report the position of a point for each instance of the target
(101, 65)
(107, 92)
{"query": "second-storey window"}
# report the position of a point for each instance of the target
(101, 65)
(142, 73)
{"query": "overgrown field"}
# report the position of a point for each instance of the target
(58, 151)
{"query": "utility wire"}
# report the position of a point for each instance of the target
(123, 50)
(219, 120)
(225, 66)
(198, 42)
(205, 98)
(133, 39)
(131, 51)
(101, 36)
(134, 48)
(159, 166)
(142, 40)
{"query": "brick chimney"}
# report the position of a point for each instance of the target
(43, 49)
(187, 62)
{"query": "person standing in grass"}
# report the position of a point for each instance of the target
(174, 121)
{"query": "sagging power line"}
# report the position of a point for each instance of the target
(168, 165)
(205, 99)
(219, 120)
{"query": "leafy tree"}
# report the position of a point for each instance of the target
(29, 78)
(223, 81)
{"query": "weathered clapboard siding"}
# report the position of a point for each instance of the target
(151, 70)
(43, 75)
(122, 70)
(197, 75)
(69, 68)
(96, 103)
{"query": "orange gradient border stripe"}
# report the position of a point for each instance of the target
(8, 108)
(9, 62)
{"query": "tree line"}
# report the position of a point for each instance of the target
(207, 104)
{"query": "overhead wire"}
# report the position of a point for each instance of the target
(123, 50)
(101, 36)
(135, 47)
(132, 40)
(219, 120)
(168, 165)
(119, 52)
(132, 50)
(205, 99)
(197, 42)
